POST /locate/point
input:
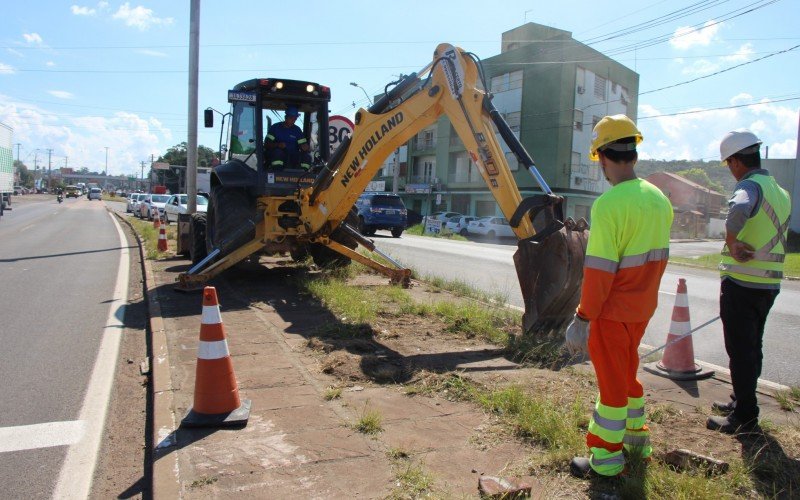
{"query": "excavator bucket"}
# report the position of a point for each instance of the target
(550, 270)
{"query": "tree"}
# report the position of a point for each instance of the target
(701, 177)
(177, 155)
(25, 175)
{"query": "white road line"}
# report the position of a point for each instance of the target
(31, 437)
(75, 479)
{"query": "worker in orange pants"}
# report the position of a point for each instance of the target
(626, 256)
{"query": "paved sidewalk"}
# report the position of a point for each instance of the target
(298, 445)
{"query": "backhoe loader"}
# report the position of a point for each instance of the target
(254, 208)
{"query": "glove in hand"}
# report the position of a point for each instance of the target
(578, 336)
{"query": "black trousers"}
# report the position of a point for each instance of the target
(744, 313)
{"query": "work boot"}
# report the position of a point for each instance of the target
(724, 408)
(732, 425)
(581, 468)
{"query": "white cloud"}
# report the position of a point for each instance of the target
(83, 139)
(82, 11)
(697, 136)
(686, 37)
(5, 69)
(153, 53)
(741, 55)
(15, 52)
(700, 67)
(49, 64)
(32, 38)
(61, 94)
(741, 98)
(140, 17)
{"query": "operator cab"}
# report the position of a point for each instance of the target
(258, 104)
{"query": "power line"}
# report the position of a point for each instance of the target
(720, 71)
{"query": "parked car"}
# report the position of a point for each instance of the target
(153, 206)
(444, 216)
(491, 227)
(94, 194)
(459, 223)
(176, 204)
(381, 211)
(133, 199)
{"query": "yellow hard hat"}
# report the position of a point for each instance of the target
(610, 129)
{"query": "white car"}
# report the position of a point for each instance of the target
(176, 205)
(133, 202)
(152, 206)
(458, 224)
(94, 194)
(492, 227)
(443, 216)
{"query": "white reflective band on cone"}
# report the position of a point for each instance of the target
(211, 315)
(681, 300)
(213, 350)
(680, 327)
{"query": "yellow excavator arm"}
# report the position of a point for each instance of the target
(448, 86)
(549, 263)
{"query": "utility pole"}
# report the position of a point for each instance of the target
(106, 172)
(18, 145)
(49, 165)
(396, 171)
(142, 162)
(194, 60)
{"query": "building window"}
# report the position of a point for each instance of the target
(595, 120)
(576, 159)
(426, 139)
(577, 117)
(507, 81)
(422, 170)
(599, 87)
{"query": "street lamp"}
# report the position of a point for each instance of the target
(354, 84)
(106, 172)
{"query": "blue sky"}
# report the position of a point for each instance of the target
(82, 77)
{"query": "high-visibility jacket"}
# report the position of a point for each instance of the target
(627, 253)
(766, 233)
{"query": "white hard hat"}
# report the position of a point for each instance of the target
(736, 141)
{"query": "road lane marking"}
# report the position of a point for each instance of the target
(75, 478)
(45, 435)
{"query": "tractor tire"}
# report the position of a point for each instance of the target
(326, 258)
(197, 237)
(229, 210)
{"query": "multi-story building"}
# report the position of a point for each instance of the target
(552, 90)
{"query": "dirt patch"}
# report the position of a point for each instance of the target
(475, 388)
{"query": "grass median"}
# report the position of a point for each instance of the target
(791, 267)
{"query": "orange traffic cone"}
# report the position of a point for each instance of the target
(156, 220)
(162, 239)
(216, 394)
(678, 360)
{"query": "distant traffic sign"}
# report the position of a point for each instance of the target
(339, 128)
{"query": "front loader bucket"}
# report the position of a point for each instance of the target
(550, 270)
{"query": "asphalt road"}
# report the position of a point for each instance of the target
(490, 267)
(58, 270)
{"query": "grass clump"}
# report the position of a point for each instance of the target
(788, 399)
(369, 422)
(419, 230)
(351, 304)
(412, 481)
(149, 236)
(332, 393)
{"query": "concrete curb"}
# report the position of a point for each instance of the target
(165, 472)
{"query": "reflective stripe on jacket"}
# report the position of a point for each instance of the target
(627, 253)
(766, 233)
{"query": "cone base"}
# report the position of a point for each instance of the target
(236, 418)
(697, 374)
